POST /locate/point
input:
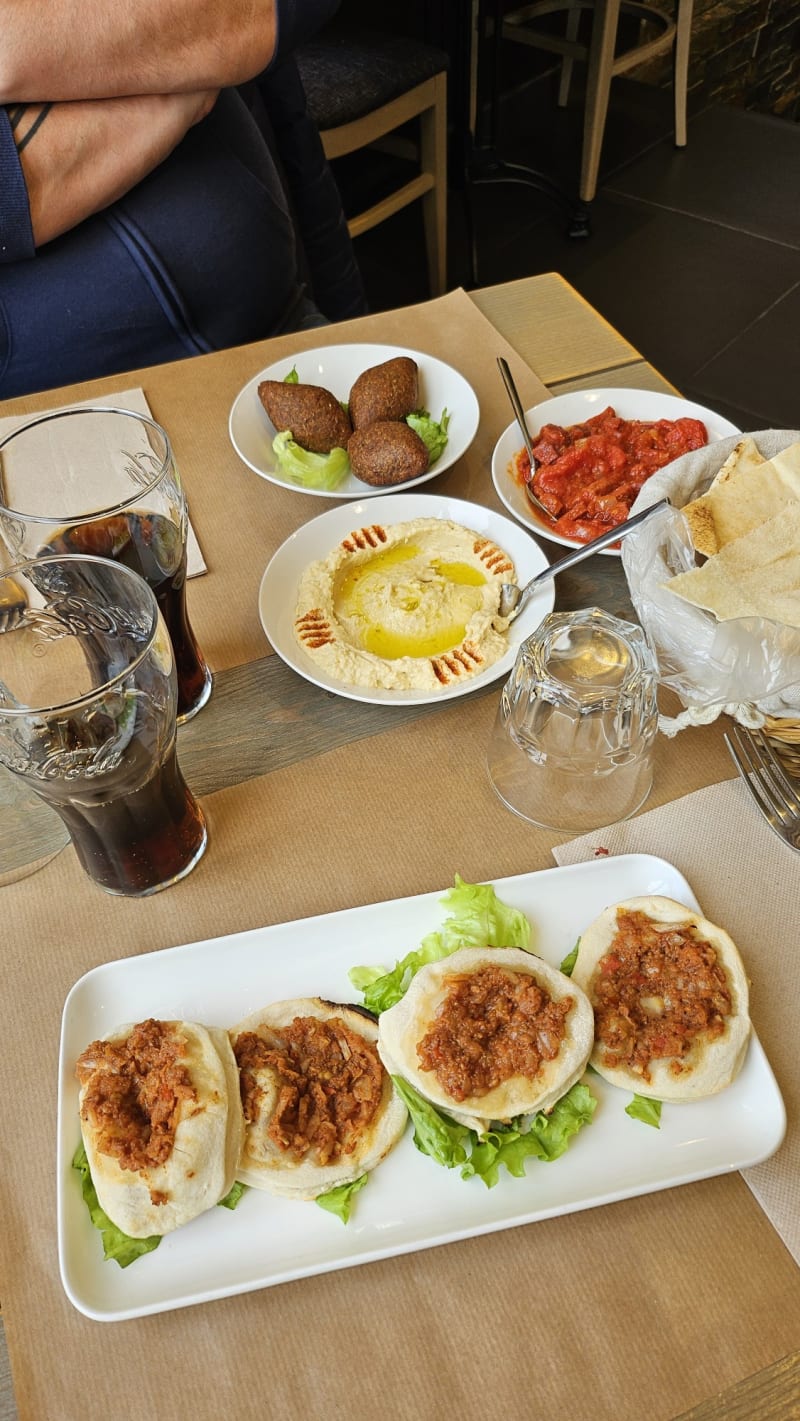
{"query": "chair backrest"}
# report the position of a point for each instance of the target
(362, 86)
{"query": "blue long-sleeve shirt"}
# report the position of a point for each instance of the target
(237, 235)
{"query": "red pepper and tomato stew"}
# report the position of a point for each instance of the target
(588, 475)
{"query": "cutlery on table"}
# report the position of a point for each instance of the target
(514, 598)
(516, 405)
(767, 782)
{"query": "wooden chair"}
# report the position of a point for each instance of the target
(603, 62)
(361, 88)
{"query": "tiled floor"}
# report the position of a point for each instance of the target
(694, 254)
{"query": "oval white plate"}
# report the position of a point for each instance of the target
(277, 596)
(573, 408)
(336, 368)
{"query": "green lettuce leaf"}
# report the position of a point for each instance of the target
(571, 958)
(478, 919)
(292, 378)
(483, 1155)
(433, 433)
(339, 1201)
(646, 1110)
(233, 1195)
(546, 1138)
(301, 466)
(435, 1134)
(117, 1245)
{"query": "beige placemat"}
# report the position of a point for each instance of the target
(134, 399)
(747, 880)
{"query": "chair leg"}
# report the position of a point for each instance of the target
(433, 154)
(601, 58)
(567, 63)
(682, 40)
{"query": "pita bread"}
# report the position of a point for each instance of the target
(747, 491)
(201, 1167)
(712, 1062)
(264, 1164)
(758, 575)
(404, 1025)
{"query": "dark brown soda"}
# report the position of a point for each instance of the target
(142, 839)
(150, 545)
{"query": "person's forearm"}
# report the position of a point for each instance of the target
(77, 158)
(83, 49)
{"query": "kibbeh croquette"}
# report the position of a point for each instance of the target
(385, 392)
(387, 452)
(314, 416)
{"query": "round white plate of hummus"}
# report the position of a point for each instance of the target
(394, 602)
(575, 407)
(336, 368)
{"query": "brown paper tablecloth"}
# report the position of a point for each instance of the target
(747, 880)
(595, 1315)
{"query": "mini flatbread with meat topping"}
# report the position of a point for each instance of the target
(304, 1137)
(714, 1057)
(404, 1026)
(199, 1130)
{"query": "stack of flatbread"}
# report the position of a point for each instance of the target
(747, 526)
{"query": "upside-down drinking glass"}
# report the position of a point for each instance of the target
(572, 740)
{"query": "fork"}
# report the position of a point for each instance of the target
(765, 778)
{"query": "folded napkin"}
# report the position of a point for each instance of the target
(134, 399)
(748, 881)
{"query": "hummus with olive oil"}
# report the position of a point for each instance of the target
(409, 606)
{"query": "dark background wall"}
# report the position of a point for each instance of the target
(745, 53)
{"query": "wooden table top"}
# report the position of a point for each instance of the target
(569, 346)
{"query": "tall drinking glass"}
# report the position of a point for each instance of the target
(88, 696)
(103, 482)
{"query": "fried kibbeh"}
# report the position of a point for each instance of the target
(387, 452)
(385, 392)
(314, 416)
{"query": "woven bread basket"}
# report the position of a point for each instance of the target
(713, 666)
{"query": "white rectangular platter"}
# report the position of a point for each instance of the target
(409, 1203)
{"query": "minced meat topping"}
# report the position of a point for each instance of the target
(492, 1024)
(134, 1091)
(655, 992)
(330, 1085)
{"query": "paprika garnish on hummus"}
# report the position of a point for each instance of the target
(670, 999)
(588, 475)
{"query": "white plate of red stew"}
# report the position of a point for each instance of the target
(410, 1203)
(589, 483)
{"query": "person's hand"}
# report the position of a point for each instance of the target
(83, 156)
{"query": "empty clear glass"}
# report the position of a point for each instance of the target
(572, 740)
